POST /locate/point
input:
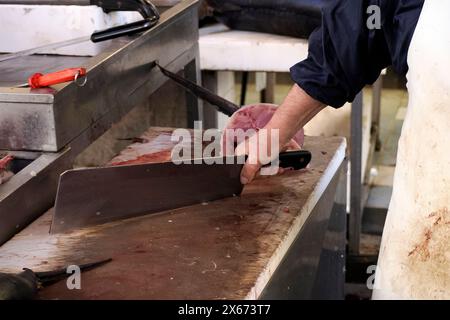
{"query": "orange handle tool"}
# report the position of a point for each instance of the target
(38, 80)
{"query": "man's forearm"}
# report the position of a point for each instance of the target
(297, 109)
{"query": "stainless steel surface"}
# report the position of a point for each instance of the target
(313, 268)
(118, 79)
(97, 195)
(69, 118)
(33, 121)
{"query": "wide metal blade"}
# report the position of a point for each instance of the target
(98, 195)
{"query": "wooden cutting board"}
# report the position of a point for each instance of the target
(226, 249)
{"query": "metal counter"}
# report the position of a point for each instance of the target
(58, 123)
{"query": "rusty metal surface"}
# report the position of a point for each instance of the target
(212, 251)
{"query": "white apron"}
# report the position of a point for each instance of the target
(414, 261)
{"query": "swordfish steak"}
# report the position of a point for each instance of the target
(155, 145)
(255, 117)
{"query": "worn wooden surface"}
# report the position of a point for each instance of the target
(225, 249)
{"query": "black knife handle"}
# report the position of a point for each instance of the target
(124, 30)
(295, 159)
(148, 11)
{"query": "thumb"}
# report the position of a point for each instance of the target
(251, 166)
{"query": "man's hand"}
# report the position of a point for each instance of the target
(297, 109)
(261, 149)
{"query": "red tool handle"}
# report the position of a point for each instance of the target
(5, 161)
(38, 80)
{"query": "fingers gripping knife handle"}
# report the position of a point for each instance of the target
(38, 80)
(295, 159)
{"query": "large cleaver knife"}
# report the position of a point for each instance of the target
(98, 195)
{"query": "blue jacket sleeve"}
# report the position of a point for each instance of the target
(345, 54)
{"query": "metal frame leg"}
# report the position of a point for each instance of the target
(376, 111)
(355, 218)
(210, 82)
(244, 86)
(193, 104)
(268, 94)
